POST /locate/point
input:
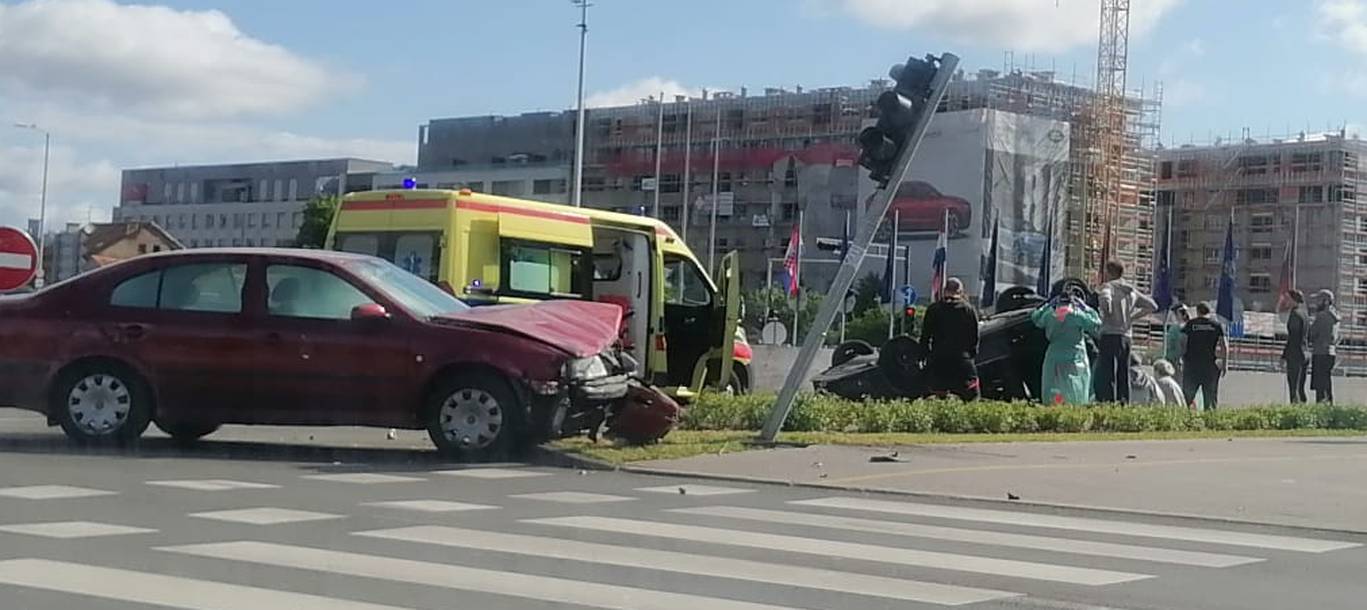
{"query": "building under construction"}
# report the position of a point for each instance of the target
(1295, 195)
(780, 152)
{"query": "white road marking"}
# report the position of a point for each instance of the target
(363, 478)
(1082, 524)
(573, 497)
(51, 492)
(1040, 543)
(265, 515)
(492, 473)
(695, 490)
(430, 506)
(159, 590)
(72, 529)
(848, 550)
(212, 484)
(514, 584)
(686, 563)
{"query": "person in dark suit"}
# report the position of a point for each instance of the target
(1294, 355)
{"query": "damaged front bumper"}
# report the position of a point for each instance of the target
(580, 400)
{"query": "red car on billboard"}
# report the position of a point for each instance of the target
(193, 339)
(921, 207)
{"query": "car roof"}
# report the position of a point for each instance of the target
(298, 253)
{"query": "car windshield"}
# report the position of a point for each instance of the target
(413, 293)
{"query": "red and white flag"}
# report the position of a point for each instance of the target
(792, 258)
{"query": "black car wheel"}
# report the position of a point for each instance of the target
(850, 350)
(101, 403)
(474, 416)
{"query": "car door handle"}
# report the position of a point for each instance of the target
(132, 332)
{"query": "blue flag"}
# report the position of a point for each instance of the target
(989, 296)
(1224, 303)
(1162, 281)
(1045, 264)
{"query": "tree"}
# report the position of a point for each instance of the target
(318, 213)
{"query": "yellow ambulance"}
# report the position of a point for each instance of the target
(487, 249)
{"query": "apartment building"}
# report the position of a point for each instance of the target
(775, 154)
(244, 204)
(1301, 190)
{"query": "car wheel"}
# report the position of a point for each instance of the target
(850, 350)
(102, 404)
(187, 432)
(474, 417)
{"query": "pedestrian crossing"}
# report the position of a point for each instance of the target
(554, 539)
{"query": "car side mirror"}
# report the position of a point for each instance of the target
(369, 312)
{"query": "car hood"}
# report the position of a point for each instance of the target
(582, 328)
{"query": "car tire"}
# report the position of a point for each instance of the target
(474, 417)
(187, 432)
(101, 404)
(850, 350)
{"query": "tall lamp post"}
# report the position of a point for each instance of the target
(42, 200)
(576, 195)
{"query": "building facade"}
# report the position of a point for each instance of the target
(246, 204)
(775, 156)
(1297, 195)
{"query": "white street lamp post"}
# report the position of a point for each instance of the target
(42, 200)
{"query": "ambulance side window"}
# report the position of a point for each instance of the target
(540, 270)
(684, 284)
(359, 243)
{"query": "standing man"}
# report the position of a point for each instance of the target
(1172, 338)
(949, 337)
(1324, 340)
(1119, 304)
(1293, 355)
(1204, 354)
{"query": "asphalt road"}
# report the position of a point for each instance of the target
(267, 519)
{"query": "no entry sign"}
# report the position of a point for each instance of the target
(18, 258)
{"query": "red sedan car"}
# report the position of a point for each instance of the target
(191, 340)
(921, 207)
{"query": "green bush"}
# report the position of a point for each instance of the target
(826, 413)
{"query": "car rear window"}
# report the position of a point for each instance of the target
(137, 291)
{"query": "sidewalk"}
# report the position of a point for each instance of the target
(1307, 482)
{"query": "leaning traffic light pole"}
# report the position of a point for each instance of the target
(886, 149)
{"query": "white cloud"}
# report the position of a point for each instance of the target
(1025, 25)
(1344, 22)
(74, 185)
(1196, 47)
(150, 59)
(636, 91)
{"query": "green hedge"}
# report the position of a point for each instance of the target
(824, 413)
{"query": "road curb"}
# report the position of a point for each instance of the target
(996, 502)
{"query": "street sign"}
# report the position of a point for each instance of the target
(18, 259)
(647, 184)
(908, 295)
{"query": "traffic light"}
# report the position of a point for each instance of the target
(909, 311)
(881, 144)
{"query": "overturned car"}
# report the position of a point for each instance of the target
(1010, 355)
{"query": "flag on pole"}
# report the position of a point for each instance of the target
(1162, 281)
(792, 259)
(1042, 285)
(937, 263)
(1288, 279)
(989, 296)
(1224, 302)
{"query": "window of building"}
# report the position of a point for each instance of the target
(789, 211)
(237, 220)
(1251, 165)
(1259, 282)
(1212, 254)
(305, 292)
(1342, 193)
(722, 242)
(509, 188)
(1307, 162)
(209, 287)
(279, 191)
(294, 189)
(180, 192)
(222, 221)
(541, 269)
(194, 221)
(1261, 223)
(670, 213)
(1311, 194)
(166, 191)
(1186, 168)
(194, 192)
(251, 220)
(265, 220)
(1255, 196)
(298, 219)
(549, 186)
(1260, 253)
(724, 181)
(1361, 287)
(671, 183)
(263, 190)
(1165, 170)
(1210, 281)
(142, 248)
(280, 219)
(1362, 256)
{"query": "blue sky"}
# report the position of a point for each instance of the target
(184, 81)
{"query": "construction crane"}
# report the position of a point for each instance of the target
(1109, 140)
